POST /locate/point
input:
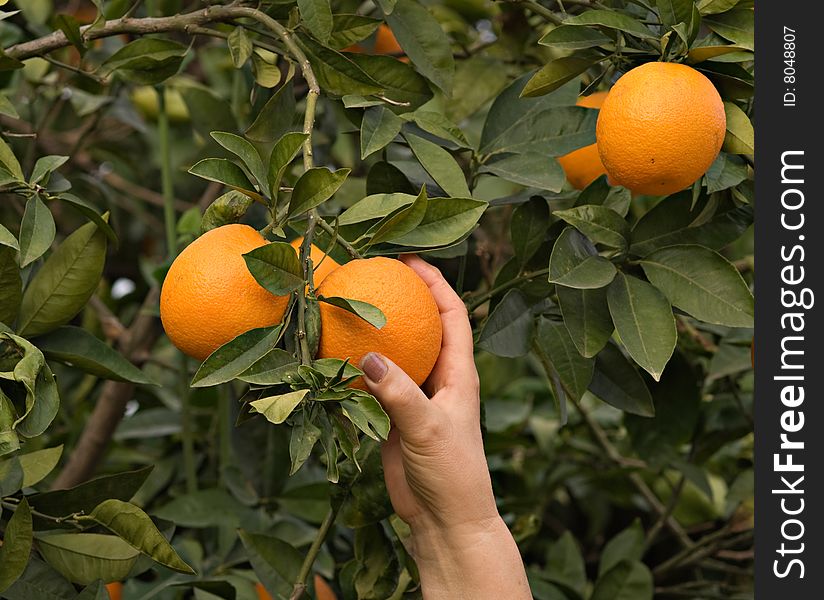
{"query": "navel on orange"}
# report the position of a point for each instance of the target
(411, 337)
(660, 128)
(209, 296)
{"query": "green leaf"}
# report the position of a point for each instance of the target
(11, 284)
(740, 138)
(507, 331)
(44, 166)
(373, 207)
(626, 545)
(556, 73)
(565, 564)
(644, 321)
(228, 208)
(226, 172)
(77, 347)
(378, 128)
(317, 16)
(371, 314)
(16, 546)
(11, 476)
(401, 222)
(440, 165)
(338, 74)
(146, 61)
(65, 282)
(284, 152)
(368, 415)
(41, 407)
(84, 558)
(600, 224)
(276, 267)
(7, 108)
(619, 384)
(36, 231)
(348, 29)
(246, 152)
(530, 169)
(672, 222)
(91, 213)
(315, 187)
(728, 170)
(586, 316)
(277, 409)
(571, 37)
(424, 42)
(240, 46)
(276, 563)
(574, 371)
(711, 7)
(305, 435)
(277, 116)
(7, 239)
(135, 527)
(40, 582)
(673, 12)
(265, 68)
(438, 125)
(84, 497)
(38, 464)
(627, 580)
(528, 227)
(270, 369)
(575, 263)
(738, 26)
(10, 162)
(236, 356)
(702, 283)
(611, 19)
(446, 220)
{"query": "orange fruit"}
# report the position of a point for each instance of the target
(385, 43)
(327, 263)
(660, 128)
(261, 592)
(115, 590)
(209, 296)
(323, 591)
(583, 166)
(411, 337)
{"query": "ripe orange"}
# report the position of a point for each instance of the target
(209, 296)
(583, 166)
(385, 43)
(323, 591)
(411, 337)
(327, 266)
(115, 590)
(660, 128)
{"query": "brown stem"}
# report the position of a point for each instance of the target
(108, 412)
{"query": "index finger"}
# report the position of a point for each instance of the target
(457, 348)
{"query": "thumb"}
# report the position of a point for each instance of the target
(401, 398)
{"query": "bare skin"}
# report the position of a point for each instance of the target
(435, 467)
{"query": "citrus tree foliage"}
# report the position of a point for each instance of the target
(613, 332)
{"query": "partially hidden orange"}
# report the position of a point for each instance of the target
(322, 264)
(411, 337)
(583, 166)
(660, 128)
(385, 43)
(323, 591)
(261, 592)
(209, 296)
(115, 590)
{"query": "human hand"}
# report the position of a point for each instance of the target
(435, 467)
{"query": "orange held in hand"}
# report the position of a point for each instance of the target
(660, 128)
(209, 296)
(583, 166)
(411, 337)
(327, 263)
(115, 590)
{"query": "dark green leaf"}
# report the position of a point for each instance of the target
(575, 263)
(371, 314)
(276, 118)
(378, 128)
(36, 231)
(236, 356)
(367, 415)
(89, 211)
(78, 347)
(226, 172)
(446, 221)
(284, 152)
(348, 29)
(338, 74)
(565, 564)
(570, 37)
(574, 371)
(422, 39)
(556, 73)
(317, 16)
(726, 171)
(644, 321)
(600, 224)
(146, 61)
(508, 329)
(65, 282)
(626, 545)
(11, 284)
(228, 208)
(305, 435)
(627, 580)
(314, 187)
(275, 562)
(40, 582)
(586, 316)
(530, 169)
(612, 19)
(16, 546)
(402, 221)
(440, 165)
(246, 152)
(702, 283)
(528, 227)
(276, 267)
(619, 384)
(738, 26)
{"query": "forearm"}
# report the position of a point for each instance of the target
(478, 561)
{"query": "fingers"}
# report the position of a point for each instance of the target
(404, 402)
(457, 345)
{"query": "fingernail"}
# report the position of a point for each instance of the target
(374, 367)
